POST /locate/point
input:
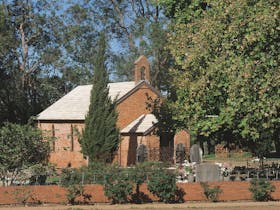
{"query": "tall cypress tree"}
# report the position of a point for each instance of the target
(100, 137)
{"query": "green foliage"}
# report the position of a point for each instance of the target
(43, 55)
(212, 194)
(21, 146)
(261, 189)
(93, 174)
(100, 137)
(138, 27)
(163, 184)
(49, 47)
(76, 191)
(71, 176)
(117, 185)
(40, 173)
(182, 10)
(139, 175)
(71, 180)
(150, 166)
(164, 113)
(28, 52)
(226, 73)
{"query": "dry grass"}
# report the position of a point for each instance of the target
(155, 206)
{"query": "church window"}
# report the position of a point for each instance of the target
(53, 138)
(72, 138)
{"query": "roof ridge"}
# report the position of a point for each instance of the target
(108, 83)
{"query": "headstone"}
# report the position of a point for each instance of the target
(141, 153)
(196, 154)
(208, 172)
(180, 153)
(205, 148)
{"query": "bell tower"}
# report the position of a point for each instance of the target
(141, 69)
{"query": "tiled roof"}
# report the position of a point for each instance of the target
(142, 125)
(75, 104)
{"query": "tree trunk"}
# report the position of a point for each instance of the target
(277, 147)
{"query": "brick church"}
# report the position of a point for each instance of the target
(138, 141)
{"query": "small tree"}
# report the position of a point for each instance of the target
(261, 189)
(117, 185)
(212, 194)
(100, 136)
(163, 184)
(71, 180)
(21, 146)
(138, 175)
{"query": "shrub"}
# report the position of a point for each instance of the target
(71, 181)
(21, 146)
(117, 185)
(70, 176)
(212, 194)
(94, 173)
(85, 175)
(22, 195)
(163, 184)
(138, 175)
(40, 173)
(75, 191)
(261, 189)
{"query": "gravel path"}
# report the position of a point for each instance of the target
(194, 206)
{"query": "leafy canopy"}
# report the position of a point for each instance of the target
(21, 146)
(227, 74)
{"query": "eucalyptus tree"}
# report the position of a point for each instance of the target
(227, 73)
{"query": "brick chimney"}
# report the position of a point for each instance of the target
(141, 69)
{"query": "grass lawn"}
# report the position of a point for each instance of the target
(239, 159)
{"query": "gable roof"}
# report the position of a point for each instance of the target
(142, 125)
(74, 105)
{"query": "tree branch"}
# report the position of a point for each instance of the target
(121, 23)
(23, 47)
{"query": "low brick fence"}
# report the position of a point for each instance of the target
(232, 191)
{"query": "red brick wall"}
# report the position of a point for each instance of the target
(182, 137)
(127, 150)
(232, 191)
(63, 155)
(126, 143)
(134, 106)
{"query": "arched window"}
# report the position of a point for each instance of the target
(142, 73)
(180, 153)
(141, 153)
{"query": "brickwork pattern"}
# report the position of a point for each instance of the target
(127, 150)
(134, 106)
(232, 191)
(141, 67)
(63, 156)
(182, 137)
